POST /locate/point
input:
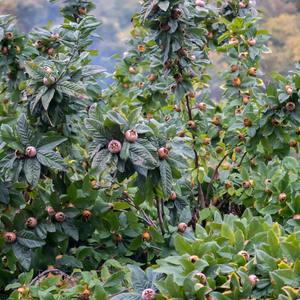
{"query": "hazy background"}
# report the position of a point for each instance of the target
(281, 18)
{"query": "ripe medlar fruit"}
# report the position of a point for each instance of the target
(114, 146)
(30, 151)
(172, 196)
(182, 227)
(60, 217)
(31, 222)
(131, 135)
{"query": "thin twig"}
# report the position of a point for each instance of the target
(244, 155)
(109, 296)
(213, 176)
(161, 221)
(155, 248)
(122, 210)
(162, 208)
(148, 218)
(223, 202)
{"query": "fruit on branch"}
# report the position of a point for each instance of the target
(245, 254)
(131, 135)
(51, 52)
(125, 86)
(228, 185)
(140, 48)
(152, 78)
(141, 84)
(168, 64)
(241, 137)
(191, 125)
(178, 77)
(183, 52)
(242, 55)
(177, 108)
(60, 217)
(46, 82)
(234, 68)
(176, 13)
(4, 50)
(216, 121)
(246, 99)
(118, 238)
(182, 227)
(200, 3)
(51, 267)
(86, 215)
(50, 211)
(238, 111)
(85, 295)
(215, 200)
(38, 44)
(10, 237)
(31, 222)
(238, 149)
(274, 122)
(194, 258)
(206, 141)
(251, 41)
(219, 150)
(253, 71)
(30, 151)
(236, 82)
(47, 69)
(268, 191)
(82, 10)
(253, 279)
(192, 57)
(247, 122)
(246, 185)
(173, 88)
(242, 5)
(71, 205)
(191, 94)
(282, 197)
(226, 165)
(268, 181)
(21, 290)
(164, 26)
(5, 101)
(114, 146)
(210, 35)
(55, 36)
(172, 196)
(202, 277)
(9, 35)
(202, 106)
(296, 217)
(148, 294)
(293, 144)
(163, 153)
(132, 70)
(290, 106)
(234, 42)
(146, 237)
(289, 91)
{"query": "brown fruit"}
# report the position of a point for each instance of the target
(176, 13)
(132, 70)
(202, 106)
(274, 122)
(182, 227)
(296, 217)
(4, 50)
(182, 52)
(60, 217)
(245, 254)
(246, 185)
(236, 82)
(210, 35)
(146, 237)
(242, 5)
(177, 108)
(131, 135)
(268, 191)
(290, 106)
(206, 141)
(242, 55)
(246, 99)
(118, 237)
(219, 150)
(181, 134)
(226, 165)
(84, 164)
(202, 277)
(192, 57)
(200, 3)
(114, 146)
(228, 185)
(253, 279)
(71, 205)
(55, 36)
(38, 44)
(215, 200)
(51, 52)
(164, 26)
(251, 41)
(21, 290)
(234, 42)
(268, 181)
(253, 162)
(9, 35)
(50, 211)
(148, 294)
(30, 151)
(82, 10)
(173, 88)
(126, 86)
(163, 153)
(293, 144)
(241, 137)
(282, 197)
(194, 258)
(11, 75)
(178, 77)
(141, 47)
(191, 125)
(51, 267)
(168, 64)
(10, 237)
(238, 149)
(172, 196)
(238, 111)
(86, 214)
(279, 212)
(191, 94)
(141, 85)
(247, 122)
(31, 222)
(289, 91)
(5, 101)
(234, 68)
(152, 78)
(216, 121)
(253, 71)
(85, 295)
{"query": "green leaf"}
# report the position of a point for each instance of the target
(29, 239)
(133, 117)
(35, 71)
(182, 246)
(139, 279)
(91, 70)
(47, 97)
(70, 229)
(244, 174)
(136, 243)
(164, 5)
(4, 193)
(114, 279)
(72, 89)
(98, 131)
(51, 159)
(25, 131)
(127, 296)
(166, 178)
(141, 156)
(24, 256)
(32, 169)
(50, 142)
(124, 153)
(99, 162)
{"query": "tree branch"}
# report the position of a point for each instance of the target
(161, 221)
(212, 178)
(244, 155)
(109, 296)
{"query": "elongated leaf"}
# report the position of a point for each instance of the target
(29, 239)
(34, 70)
(50, 142)
(72, 89)
(47, 97)
(32, 168)
(140, 156)
(166, 178)
(40, 92)
(25, 131)
(139, 279)
(127, 296)
(24, 256)
(70, 229)
(51, 159)
(99, 162)
(91, 70)
(98, 131)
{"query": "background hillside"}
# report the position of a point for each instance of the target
(282, 17)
